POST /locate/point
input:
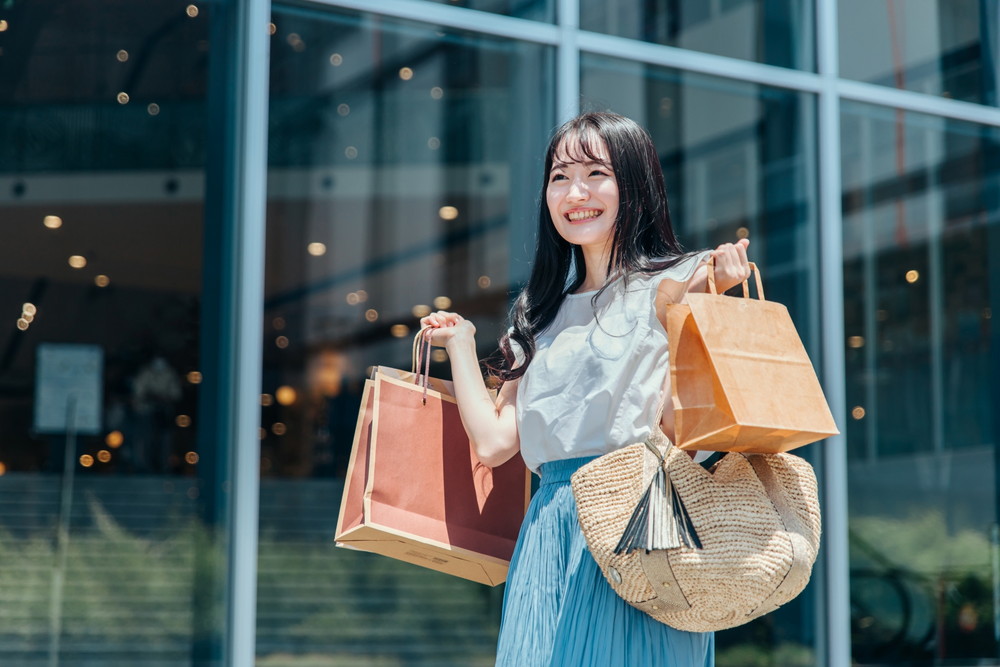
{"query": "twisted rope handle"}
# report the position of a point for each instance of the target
(754, 271)
(422, 355)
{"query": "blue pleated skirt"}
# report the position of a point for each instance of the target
(558, 609)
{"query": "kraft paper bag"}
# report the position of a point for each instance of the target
(415, 490)
(741, 380)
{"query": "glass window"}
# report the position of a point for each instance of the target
(405, 164)
(774, 32)
(537, 10)
(102, 142)
(920, 283)
(938, 47)
(739, 159)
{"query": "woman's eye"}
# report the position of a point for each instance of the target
(558, 177)
(598, 172)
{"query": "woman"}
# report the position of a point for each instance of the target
(584, 368)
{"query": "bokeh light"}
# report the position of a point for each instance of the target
(285, 395)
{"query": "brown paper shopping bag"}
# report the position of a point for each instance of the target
(415, 490)
(741, 379)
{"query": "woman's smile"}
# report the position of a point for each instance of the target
(582, 196)
(582, 215)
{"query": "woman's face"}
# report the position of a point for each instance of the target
(583, 196)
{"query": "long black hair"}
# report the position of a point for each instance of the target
(643, 239)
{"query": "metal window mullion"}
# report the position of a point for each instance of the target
(699, 188)
(907, 100)
(568, 60)
(248, 197)
(697, 61)
(836, 558)
(458, 18)
(754, 173)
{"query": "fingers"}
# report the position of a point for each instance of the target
(741, 252)
(731, 263)
(441, 318)
(736, 252)
(727, 253)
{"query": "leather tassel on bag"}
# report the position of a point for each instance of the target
(660, 520)
(685, 527)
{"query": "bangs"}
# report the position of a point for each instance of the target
(582, 144)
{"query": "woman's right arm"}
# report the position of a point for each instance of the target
(491, 426)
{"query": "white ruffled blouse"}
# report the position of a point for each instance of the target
(595, 381)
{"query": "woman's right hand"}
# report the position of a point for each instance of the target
(490, 421)
(446, 326)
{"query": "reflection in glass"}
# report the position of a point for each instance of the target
(537, 10)
(920, 281)
(101, 255)
(938, 47)
(404, 164)
(739, 160)
(774, 32)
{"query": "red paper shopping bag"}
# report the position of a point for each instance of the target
(415, 490)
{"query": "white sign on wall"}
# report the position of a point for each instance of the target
(64, 374)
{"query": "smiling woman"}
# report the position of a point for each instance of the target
(570, 393)
(582, 196)
(405, 158)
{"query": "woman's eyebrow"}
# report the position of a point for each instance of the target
(588, 163)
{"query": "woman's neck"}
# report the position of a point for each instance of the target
(595, 261)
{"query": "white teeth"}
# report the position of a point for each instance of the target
(582, 215)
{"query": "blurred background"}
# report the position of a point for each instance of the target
(404, 155)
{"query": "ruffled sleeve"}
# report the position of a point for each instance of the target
(681, 273)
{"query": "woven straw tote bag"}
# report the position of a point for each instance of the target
(700, 550)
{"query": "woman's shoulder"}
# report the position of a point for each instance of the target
(678, 268)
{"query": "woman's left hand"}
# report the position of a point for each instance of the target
(731, 264)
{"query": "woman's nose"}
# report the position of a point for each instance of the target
(577, 191)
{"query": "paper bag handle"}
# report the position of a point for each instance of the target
(422, 355)
(754, 271)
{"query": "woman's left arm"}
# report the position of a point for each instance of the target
(731, 268)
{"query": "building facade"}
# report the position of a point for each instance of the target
(218, 215)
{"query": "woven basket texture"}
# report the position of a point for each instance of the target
(746, 548)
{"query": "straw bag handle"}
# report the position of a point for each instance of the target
(657, 435)
(422, 354)
(661, 519)
(746, 288)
